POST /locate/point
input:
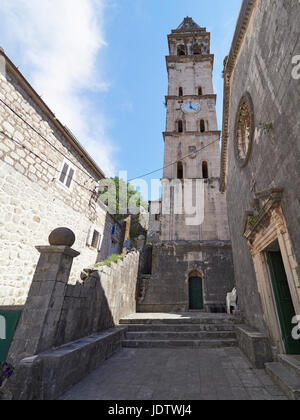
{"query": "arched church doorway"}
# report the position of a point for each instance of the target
(195, 291)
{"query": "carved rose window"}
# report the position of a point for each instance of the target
(244, 130)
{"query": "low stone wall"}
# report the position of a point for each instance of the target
(108, 295)
(60, 324)
(50, 374)
(255, 345)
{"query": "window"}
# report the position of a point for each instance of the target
(157, 217)
(67, 174)
(197, 49)
(95, 239)
(204, 170)
(113, 229)
(179, 170)
(180, 126)
(181, 50)
(202, 126)
(200, 91)
(180, 91)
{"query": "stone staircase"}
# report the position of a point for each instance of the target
(286, 373)
(179, 330)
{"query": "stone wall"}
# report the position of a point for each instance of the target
(154, 221)
(214, 226)
(264, 69)
(108, 295)
(62, 325)
(32, 200)
(168, 287)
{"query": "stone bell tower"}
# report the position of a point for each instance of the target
(192, 261)
(192, 139)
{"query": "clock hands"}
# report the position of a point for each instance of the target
(192, 107)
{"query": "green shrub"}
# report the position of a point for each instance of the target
(110, 260)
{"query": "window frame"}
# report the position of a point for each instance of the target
(90, 237)
(71, 167)
(95, 231)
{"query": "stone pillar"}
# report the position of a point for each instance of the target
(37, 327)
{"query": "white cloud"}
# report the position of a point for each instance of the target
(58, 43)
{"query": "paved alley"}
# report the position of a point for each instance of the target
(176, 374)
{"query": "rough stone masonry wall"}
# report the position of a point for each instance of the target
(107, 296)
(32, 202)
(62, 324)
(264, 68)
(172, 263)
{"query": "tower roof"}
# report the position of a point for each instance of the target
(188, 24)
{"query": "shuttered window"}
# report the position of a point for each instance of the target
(67, 175)
(95, 240)
(64, 173)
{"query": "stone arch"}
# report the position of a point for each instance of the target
(180, 171)
(197, 49)
(202, 126)
(204, 170)
(195, 273)
(180, 126)
(181, 50)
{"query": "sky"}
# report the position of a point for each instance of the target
(100, 66)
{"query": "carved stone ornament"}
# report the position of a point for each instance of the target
(244, 130)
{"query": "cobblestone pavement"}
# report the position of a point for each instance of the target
(176, 374)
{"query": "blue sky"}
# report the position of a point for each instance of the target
(100, 65)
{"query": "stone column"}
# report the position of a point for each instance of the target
(37, 327)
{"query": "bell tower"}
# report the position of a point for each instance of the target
(192, 139)
(192, 262)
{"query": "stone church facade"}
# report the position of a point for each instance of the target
(260, 166)
(47, 180)
(192, 261)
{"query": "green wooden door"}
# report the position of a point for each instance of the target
(283, 301)
(8, 324)
(196, 293)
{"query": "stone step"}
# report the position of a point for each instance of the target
(181, 327)
(167, 335)
(291, 362)
(179, 343)
(287, 380)
(171, 321)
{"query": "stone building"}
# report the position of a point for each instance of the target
(153, 234)
(192, 261)
(260, 166)
(47, 180)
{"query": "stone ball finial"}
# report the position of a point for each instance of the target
(62, 237)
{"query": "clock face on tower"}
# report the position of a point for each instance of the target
(191, 108)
